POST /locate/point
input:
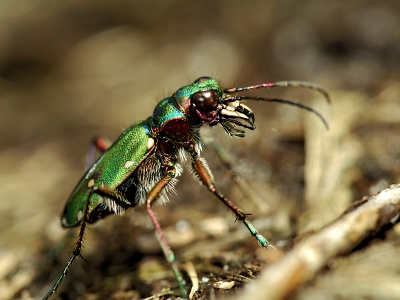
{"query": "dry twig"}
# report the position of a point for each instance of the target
(302, 263)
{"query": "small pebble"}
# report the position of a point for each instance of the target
(225, 285)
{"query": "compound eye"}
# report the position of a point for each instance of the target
(202, 79)
(205, 101)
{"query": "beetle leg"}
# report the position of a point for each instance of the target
(204, 174)
(233, 175)
(76, 252)
(155, 192)
(95, 144)
(102, 145)
(112, 194)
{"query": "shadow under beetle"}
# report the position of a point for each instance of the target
(141, 166)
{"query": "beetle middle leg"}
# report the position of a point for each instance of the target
(170, 174)
(155, 192)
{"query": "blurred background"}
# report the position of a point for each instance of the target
(71, 70)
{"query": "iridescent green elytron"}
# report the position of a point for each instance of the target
(142, 164)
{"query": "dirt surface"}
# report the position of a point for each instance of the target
(77, 69)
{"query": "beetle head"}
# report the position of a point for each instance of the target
(205, 102)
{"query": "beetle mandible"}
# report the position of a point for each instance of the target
(141, 166)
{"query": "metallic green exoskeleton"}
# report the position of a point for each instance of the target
(142, 164)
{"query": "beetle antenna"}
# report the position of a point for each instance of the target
(293, 83)
(282, 101)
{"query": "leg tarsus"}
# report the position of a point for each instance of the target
(254, 232)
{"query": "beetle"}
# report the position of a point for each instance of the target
(141, 166)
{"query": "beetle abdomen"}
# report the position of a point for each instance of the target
(111, 170)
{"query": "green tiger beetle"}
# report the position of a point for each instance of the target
(141, 166)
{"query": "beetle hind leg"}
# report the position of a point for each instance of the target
(76, 252)
(95, 144)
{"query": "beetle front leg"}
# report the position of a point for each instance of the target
(232, 174)
(155, 192)
(205, 176)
